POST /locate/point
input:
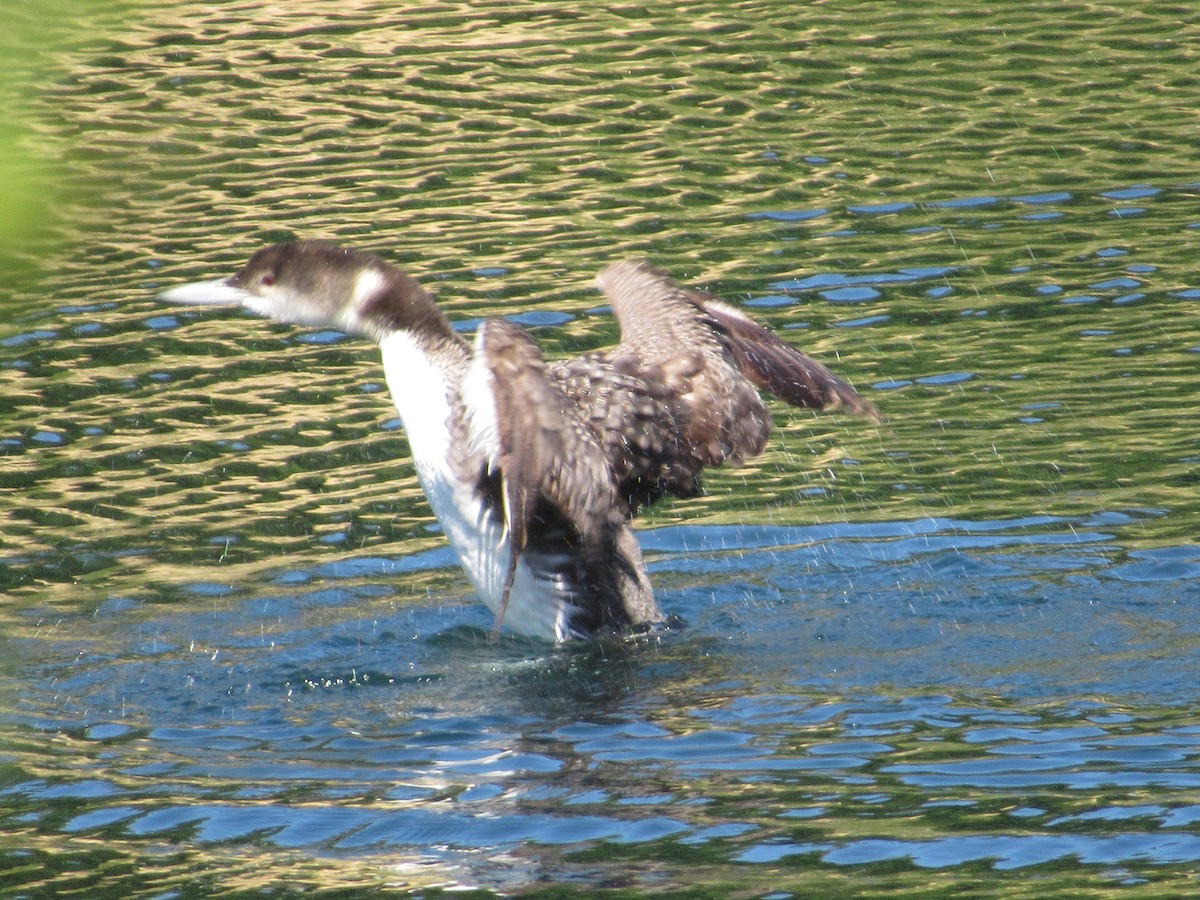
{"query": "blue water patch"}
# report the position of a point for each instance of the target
(1116, 284)
(489, 272)
(1049, 197)
(946, 378)
(161, 323)
(926, 271)
(771, 300)
(720, 832)
(109, 731)
(1127, 212)
(17, 340)
(863, 322)
(209, 589)
(383, 567)
(1110, 252)
(101, 818)
(88, 788)
(879, 209)
(539, 317)
(77, 309)
(1017, 851)
(1134, 192)
(826, 280)
(850, 294)
(1080, 299)
(965, 203)
(1036, 407)
(1111, 814)
(323, 338)
(792, 215)
(1048, 289)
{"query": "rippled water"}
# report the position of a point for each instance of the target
(956, 652)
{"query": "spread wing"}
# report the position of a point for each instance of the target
(552, 472)
(776, 366)
(679, 392)
(670, 340)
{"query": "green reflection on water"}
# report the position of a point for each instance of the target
(189, 137)
(545, 140)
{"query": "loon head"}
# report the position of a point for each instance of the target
(321, 284)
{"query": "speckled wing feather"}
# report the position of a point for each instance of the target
(551, 463)
(776, 366)
(637, 422)
(667, 339)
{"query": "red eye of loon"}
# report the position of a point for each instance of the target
(268, 280)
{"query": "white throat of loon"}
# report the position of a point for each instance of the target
(534, 469)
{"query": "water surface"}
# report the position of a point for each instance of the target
(955, 652)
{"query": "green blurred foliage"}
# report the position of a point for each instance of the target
(36, 37)
(26, 194)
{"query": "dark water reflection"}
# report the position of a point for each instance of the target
(957, 652)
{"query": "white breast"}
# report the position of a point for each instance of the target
(539, 604)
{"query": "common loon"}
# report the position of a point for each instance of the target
(535, 468)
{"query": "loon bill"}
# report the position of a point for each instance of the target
(535, 468)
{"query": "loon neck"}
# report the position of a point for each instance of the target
(386, 302)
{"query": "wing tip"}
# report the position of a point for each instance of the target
(614, 274)
(850, 400)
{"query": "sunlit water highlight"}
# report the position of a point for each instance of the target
(954, 652)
